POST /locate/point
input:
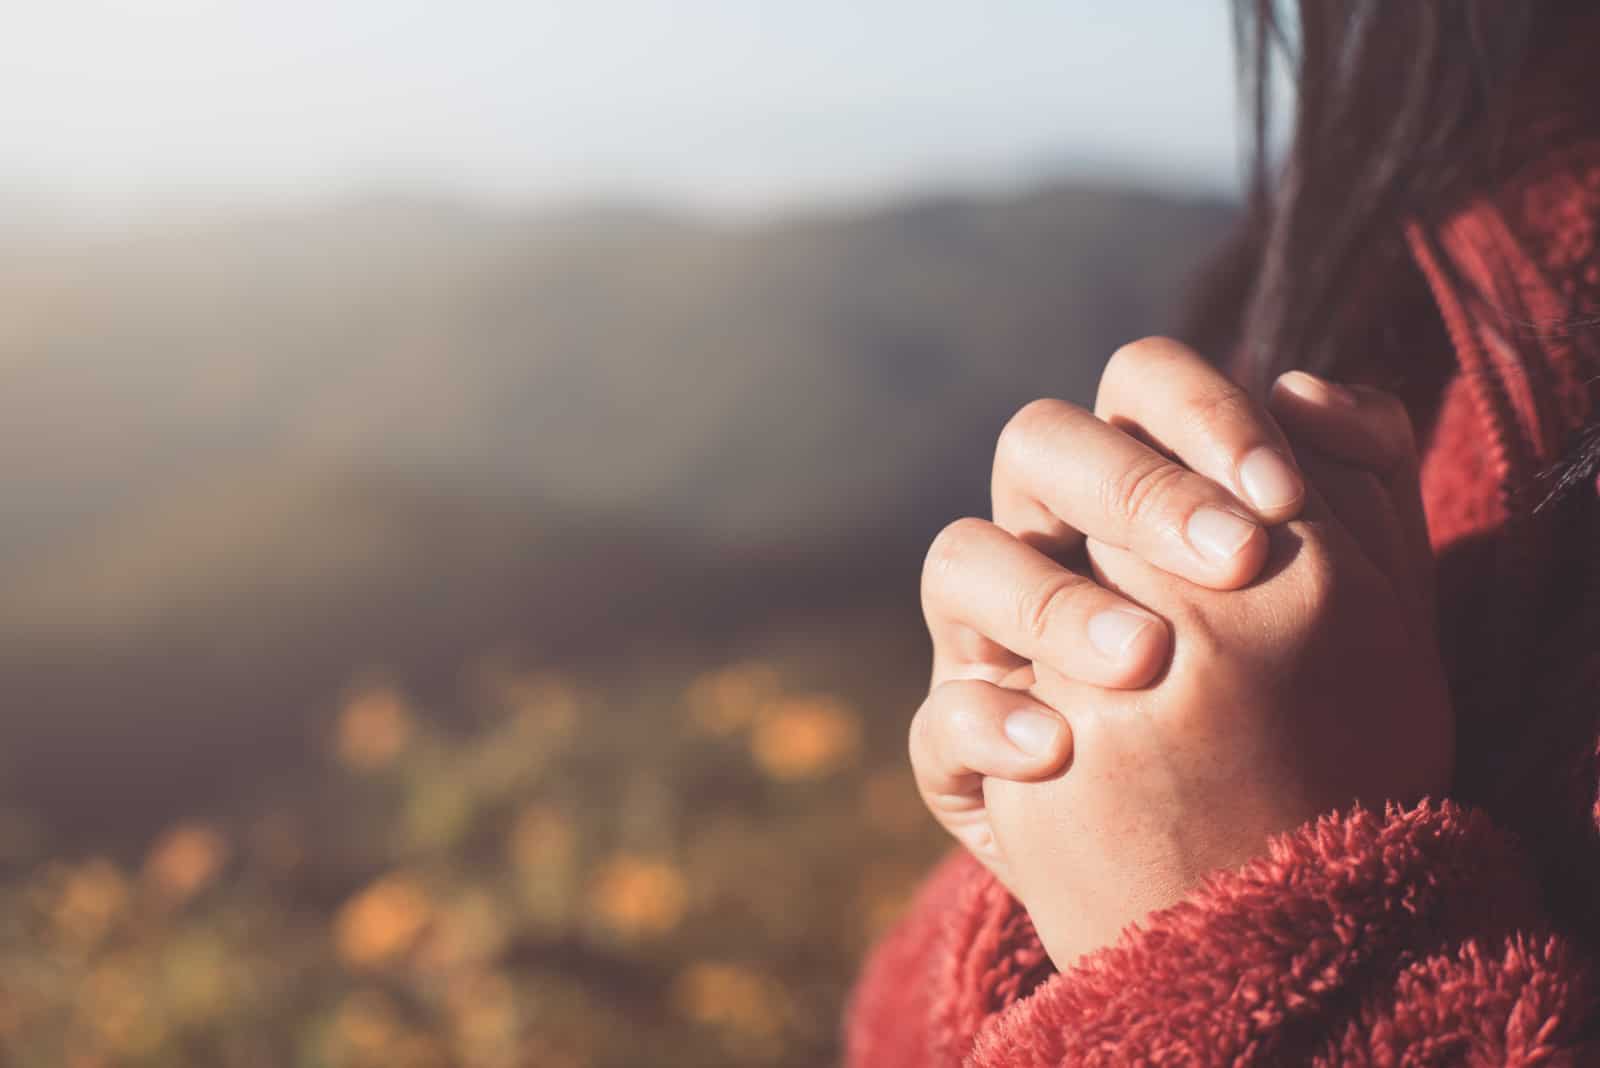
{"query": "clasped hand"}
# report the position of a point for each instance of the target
(1194, 622)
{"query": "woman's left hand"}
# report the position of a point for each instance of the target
(1312, 686)
(1315, 687)
(1003, 596)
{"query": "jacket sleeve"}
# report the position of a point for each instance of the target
(1353, 939)
(911, 971)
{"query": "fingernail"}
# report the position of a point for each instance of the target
(1032, 731)
(1111, 632)
(1268, 480)
(1318, 390)
(1218, 535)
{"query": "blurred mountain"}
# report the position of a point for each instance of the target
(810, 376)
(241, 457)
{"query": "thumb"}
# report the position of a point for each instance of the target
(1369, 430)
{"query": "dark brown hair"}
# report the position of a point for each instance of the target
(1400, 107)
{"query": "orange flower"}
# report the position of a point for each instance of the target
(374, 727)
(805, 738)
(635, 896)
(733, 997)
(483, 1014)
(368, 1025)
(185, 861)
(467, 931)
(114, 1003)
(381, 922)
(726, 700)
(91, 898)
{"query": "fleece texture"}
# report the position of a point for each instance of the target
(1460, 932)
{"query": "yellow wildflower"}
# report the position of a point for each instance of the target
(805, 738)
(375, 726)
(483, 1014)
(636, 896)
(744, 1002)
(381, 922)
(90, 899)
(467, 931)
(185, 861)
(368, 1025)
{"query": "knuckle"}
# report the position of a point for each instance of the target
(962, 720)
(946, 716)
(1129, 359)
(950, 547)
(1141, 492)
(1040, 610)
(1217, 406)
(1023, 431)
(1136, 361)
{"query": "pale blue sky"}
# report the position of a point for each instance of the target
(725, 104)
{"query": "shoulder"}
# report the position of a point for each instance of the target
(964, 952)
(1515, 271)
(1551, 212)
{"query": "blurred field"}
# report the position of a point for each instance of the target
(667, 868)
(438, 637)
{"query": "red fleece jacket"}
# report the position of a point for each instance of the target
(1459, 932)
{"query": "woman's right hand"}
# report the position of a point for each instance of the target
(1177, 465)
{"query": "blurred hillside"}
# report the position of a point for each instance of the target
(395, 431)
(433, 637)
(649, 367)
